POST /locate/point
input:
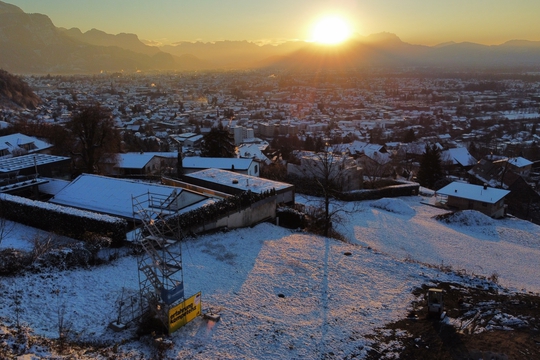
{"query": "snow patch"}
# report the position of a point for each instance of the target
(397, 206)
(470, 218)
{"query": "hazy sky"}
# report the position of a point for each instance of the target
(426, 22)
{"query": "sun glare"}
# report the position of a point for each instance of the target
(331, 30)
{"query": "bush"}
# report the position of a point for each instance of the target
(63, 258)
(51, 252)
(291, 218)
(13, 261)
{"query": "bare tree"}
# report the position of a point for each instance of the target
(375, 167)
(63, 324)
(96, 137)
(332, 172)
(6, 226)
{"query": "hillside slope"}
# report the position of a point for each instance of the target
(288, 294)
(15, 91)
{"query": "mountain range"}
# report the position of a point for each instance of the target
(31, 43)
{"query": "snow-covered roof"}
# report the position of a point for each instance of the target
(252, 151)
(53, 186)
(114, 196)
(238, 181)
(138, 160)
(18, 140)
(519, 162)
(459, 156)
(27, 161)
(134, 160)
(375, 155)
(196, 162)
(185, 136)
(473, 192)
(195, 138)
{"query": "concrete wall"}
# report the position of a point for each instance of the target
(258, 212)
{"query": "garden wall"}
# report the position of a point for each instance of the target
(245, 209)
(255, 213)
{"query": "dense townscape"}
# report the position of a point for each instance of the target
(384, 120)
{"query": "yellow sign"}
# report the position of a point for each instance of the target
(184, 312)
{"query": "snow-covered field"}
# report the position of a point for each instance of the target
(287, 294)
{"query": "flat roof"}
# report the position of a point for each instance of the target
(28, 161)
(196, 162)
(114, 196)
(238, 181)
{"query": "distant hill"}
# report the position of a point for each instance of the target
(13, 90)
(388, 50)
(383, 49)
(30, 43)
(101, 38)
(233, 54)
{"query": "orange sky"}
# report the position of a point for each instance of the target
(425, 22)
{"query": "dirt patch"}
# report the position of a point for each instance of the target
(480, 323)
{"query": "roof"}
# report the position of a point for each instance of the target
(134, 160)
(14, 141)
(138, 160)
(115, 196)
(459, 156)
(473, 192)
(27, 161)
(493, 173)
(195, 138)
(196, 162)
(243, 182)
(519, 162)
(361, 147)
(53, 186)
(252, 151)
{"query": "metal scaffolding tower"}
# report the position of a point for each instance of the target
(161, 280)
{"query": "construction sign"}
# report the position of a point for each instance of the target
(184, 312)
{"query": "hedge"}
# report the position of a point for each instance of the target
(62, 220)
(408, 189)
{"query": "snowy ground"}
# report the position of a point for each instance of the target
(470, 241)
(288, 294)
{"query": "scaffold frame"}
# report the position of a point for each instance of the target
(161, 279)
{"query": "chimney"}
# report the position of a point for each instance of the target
(485, 186)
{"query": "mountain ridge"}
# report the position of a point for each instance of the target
(31, 43)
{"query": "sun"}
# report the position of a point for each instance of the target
(331, 30)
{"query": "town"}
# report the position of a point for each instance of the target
(482, 125)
